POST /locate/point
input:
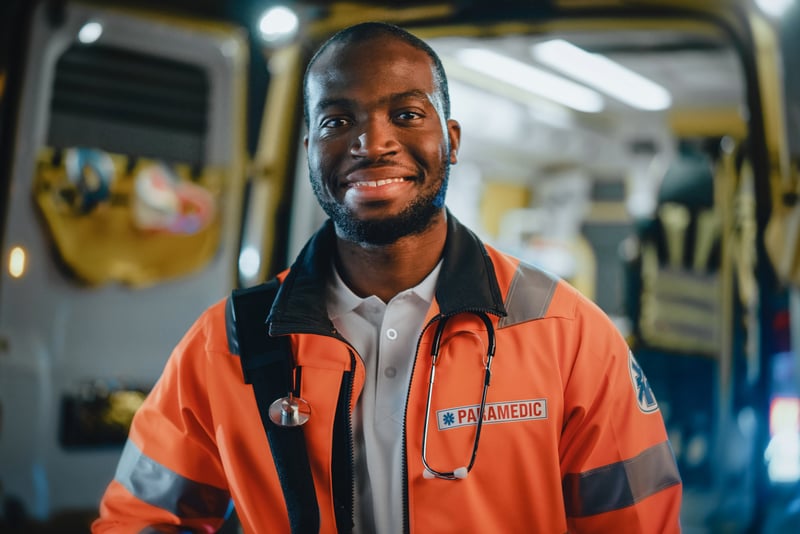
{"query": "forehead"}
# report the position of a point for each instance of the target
(377, 66)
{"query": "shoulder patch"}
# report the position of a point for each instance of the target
(645, 397)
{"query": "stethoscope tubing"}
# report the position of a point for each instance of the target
(490, 350)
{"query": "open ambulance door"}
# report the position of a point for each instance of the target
(121, 223)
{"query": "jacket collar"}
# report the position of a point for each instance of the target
(467, 281)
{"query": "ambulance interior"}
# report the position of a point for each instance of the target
(610, 152)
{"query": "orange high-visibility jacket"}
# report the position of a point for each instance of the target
(572, 438)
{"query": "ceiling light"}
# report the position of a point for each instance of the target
(531, 79)
(278, 25)
(90, 32)
(601, 73)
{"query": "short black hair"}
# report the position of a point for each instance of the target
(370, 30)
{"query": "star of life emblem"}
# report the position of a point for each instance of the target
(645, 397)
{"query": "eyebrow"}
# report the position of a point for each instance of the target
(348, 102)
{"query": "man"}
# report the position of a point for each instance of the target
(540, 420)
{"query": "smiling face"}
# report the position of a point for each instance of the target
(379, 147)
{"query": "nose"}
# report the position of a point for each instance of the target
(375, 140)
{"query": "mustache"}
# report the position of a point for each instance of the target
(381, 163)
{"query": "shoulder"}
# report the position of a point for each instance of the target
(202, 346)
(532, 293)
(210, 329)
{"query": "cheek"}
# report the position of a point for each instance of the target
(313, 160)
(317, 156)
(438, 154)
(326, 152)
(430, 150)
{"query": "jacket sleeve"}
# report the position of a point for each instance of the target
(169, 475)
(618, 470)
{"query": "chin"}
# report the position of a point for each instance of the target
(386, 230)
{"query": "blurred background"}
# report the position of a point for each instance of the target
(646, 151)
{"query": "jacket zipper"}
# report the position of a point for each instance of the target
(350, 444)
(403, 454)
(349, 384)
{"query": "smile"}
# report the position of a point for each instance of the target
(376, 183)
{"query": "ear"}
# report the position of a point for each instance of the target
(454, 134)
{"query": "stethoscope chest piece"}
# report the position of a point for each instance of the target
(289, 411)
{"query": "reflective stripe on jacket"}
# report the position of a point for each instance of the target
(572, 438)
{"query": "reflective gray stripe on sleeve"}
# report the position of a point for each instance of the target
(528, 296)
(621, 484)
(159, 486)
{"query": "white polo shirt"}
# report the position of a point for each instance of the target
(385, 336)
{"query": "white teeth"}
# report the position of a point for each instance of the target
(376, 183)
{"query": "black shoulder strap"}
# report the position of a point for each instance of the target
(267, 364)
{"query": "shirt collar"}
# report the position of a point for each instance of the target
(342, 300)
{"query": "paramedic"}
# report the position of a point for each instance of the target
(539, 418)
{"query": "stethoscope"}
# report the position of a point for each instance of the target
(292, 410)
(459, 472)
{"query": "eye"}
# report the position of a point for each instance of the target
(409, 116)
(333, 123)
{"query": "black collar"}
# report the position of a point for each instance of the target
(467, 281)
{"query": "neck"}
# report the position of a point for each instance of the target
(385, 271)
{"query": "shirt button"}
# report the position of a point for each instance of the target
(390, 372)
(391, 334)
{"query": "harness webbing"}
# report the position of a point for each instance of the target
(267, 365)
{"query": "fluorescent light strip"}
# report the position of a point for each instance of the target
(774, 8)
(531, 79)
(603, 74)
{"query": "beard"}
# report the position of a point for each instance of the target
(414, 219)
